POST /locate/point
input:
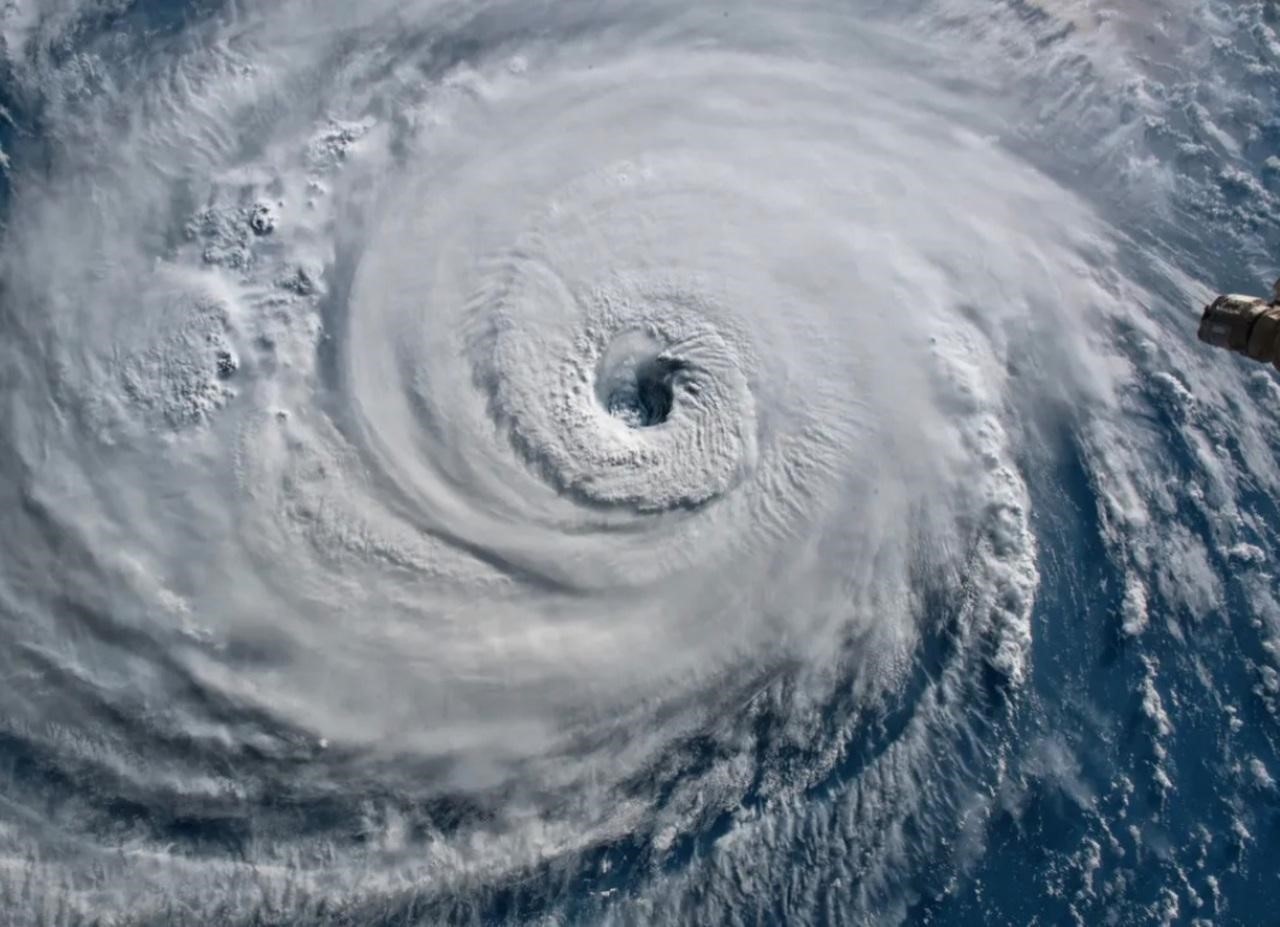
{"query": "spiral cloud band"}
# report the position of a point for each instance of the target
(467, 461)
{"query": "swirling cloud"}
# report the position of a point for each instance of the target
(449, 440)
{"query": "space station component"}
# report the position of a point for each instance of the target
(1245, 324)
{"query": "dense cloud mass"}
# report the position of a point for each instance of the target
(564, 462)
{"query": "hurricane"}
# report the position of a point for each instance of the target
(635, 463)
